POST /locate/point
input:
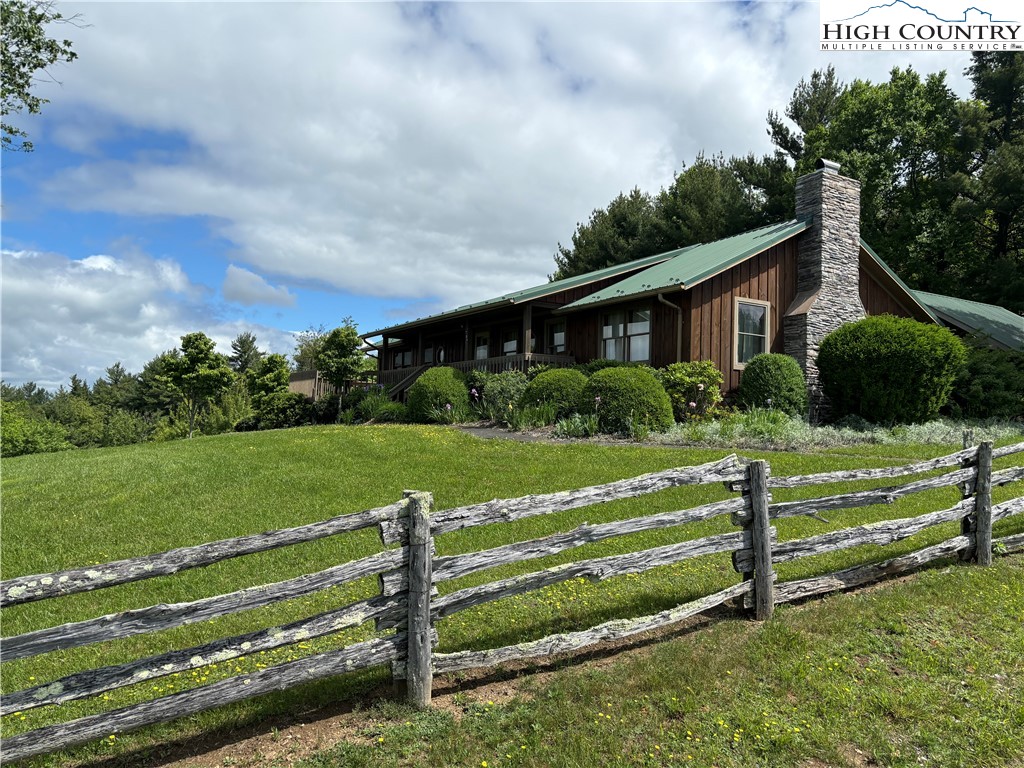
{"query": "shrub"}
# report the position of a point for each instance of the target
(22, 431)
(280, 410)
(435, 389)
(776, 382)
(479, 381)
(502, 393)
(560, 387)
(694, 388)
(991, 385)
(889, 369)
(589, 369)
(627, 400)
(536, 370)
(326, 409)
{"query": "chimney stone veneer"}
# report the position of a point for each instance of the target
(828, 270)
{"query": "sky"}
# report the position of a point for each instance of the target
(270, 167)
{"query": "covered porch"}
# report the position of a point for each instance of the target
(398, 380)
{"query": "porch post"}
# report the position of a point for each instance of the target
(527, 329)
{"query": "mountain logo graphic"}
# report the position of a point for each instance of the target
(981, 16)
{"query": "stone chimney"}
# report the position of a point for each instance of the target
(828, 269)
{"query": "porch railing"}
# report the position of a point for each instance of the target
(521, 362)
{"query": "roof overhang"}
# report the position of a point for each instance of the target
(891, 282)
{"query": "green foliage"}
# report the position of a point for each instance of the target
(244, 352)
(501, 393)
(592, 367)
(198, 375)
(83, 422)
(536, 370)
(991, 385)
(24, 430)
(338, 358)
(280, 410)
(154, 396)
(774, 381)
(267, 375)
(578, 425)
(124, 427)
(559, 387)
(625, 398)
(889, 369)
(435, 389)
(695, 388)
(326, 410)
(27, 54)
(523, 417)
(377, 406)
(307, 347)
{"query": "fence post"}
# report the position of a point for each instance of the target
(983, 505)
(761, 541)
(419, 675)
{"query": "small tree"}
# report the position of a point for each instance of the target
(244, 352)
(339, 358)
(307, 348)
(198, 375)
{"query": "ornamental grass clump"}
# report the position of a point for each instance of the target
(774, 381)
(889, 370)
(623, 398)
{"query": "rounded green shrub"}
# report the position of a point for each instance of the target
(889, 370)
(695, 388)
(280, 410)
(560, 387)
(435, 389)
(774, 381)
(627, 400)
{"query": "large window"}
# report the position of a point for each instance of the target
(751, 329)
(510, 342)
(402, 359)
(555, 343)
(626, 335)
(482, 344)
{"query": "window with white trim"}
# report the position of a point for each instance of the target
(750, 330)
(556, 337)
(626, 335)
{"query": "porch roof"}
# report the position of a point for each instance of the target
(690, 266)
(1001, 325)
(529, 294)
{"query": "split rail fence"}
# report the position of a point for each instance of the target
(408, 574)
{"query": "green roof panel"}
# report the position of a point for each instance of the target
(1005, 327)
(528, 294)
(690, 266)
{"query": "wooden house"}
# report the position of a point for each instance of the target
(780, 288)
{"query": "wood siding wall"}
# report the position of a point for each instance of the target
(877, 300)
(769, 276)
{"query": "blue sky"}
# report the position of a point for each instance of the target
(267, 167)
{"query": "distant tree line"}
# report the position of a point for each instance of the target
(942, 181)
(180, 393)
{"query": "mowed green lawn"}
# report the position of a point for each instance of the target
(83, 507)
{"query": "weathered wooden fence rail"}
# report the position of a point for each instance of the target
(409, 604)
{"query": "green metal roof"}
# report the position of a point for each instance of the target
(1005, 327)
(528, 294)
(693, 265)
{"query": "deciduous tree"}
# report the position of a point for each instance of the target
(198, 375)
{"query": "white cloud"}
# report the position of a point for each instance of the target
(248, 288)
(427, 154)
(63, 316)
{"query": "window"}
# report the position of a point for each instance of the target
(402, 359)
(751, 324)
(428, 355)
(482, 344)
(556, 338)
(510, 343)
(626, 335)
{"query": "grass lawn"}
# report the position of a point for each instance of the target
(82, 507)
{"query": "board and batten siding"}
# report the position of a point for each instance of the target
(770, 276)
(877, 300)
